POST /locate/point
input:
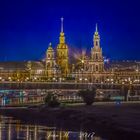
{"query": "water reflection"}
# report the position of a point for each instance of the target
(11, 129)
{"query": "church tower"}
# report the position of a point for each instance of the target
(62, 53)
(50, 62)
(96, 53)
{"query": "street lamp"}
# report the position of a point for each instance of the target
(82, 74)
(80, 79)
(53, 78)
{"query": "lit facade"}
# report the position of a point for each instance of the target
(57, 68)
(93, 68)
(62, 53)
(51, 66)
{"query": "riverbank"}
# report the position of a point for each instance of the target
(110, 121)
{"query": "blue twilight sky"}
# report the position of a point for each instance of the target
(27, 27)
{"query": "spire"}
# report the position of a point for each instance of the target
(50, 44)
(96, 27)
(62, 36)
(96, 37)
(62, 19)
(96, 30)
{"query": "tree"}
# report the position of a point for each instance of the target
(88, 95)
(51, 100)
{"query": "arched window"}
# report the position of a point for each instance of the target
(48, 55)
(96, 43)
(48, 65)
(96, 56)
(96, 67)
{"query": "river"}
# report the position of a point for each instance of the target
(12, 129)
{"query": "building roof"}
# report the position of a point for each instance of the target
(21, 65)
(13, 65)
(37, 65)
(125, 65)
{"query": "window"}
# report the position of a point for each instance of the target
(48, 65)
(48, 55)
(96, 56)
(96, 68)
(96, 43)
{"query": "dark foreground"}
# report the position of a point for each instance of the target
(114, 122)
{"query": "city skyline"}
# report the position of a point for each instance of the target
(27, 28)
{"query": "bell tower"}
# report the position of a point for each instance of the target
(62, 53)
(50, 62)
(96, 53)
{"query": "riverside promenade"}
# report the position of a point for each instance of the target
(63, 85)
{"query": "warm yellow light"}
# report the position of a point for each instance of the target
(82, 61)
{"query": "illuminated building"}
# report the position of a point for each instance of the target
(94, 70)
(56, 67)
(62, 53)
(13, 71)
(93, 67)
(51, 67)
(96, 63)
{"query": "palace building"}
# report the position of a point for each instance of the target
(57, 67)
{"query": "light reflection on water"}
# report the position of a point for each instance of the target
(11, 129)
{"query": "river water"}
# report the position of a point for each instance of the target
(11, 129)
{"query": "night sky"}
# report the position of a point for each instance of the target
(27, 27)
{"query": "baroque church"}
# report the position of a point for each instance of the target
(92, 68)
(58, 64)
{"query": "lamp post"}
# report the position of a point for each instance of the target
(82, 75)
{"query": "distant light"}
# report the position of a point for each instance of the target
(9, 78)
(111, 79)
(39, 71)
(106, 60)
(82, 61)
(80, 79)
